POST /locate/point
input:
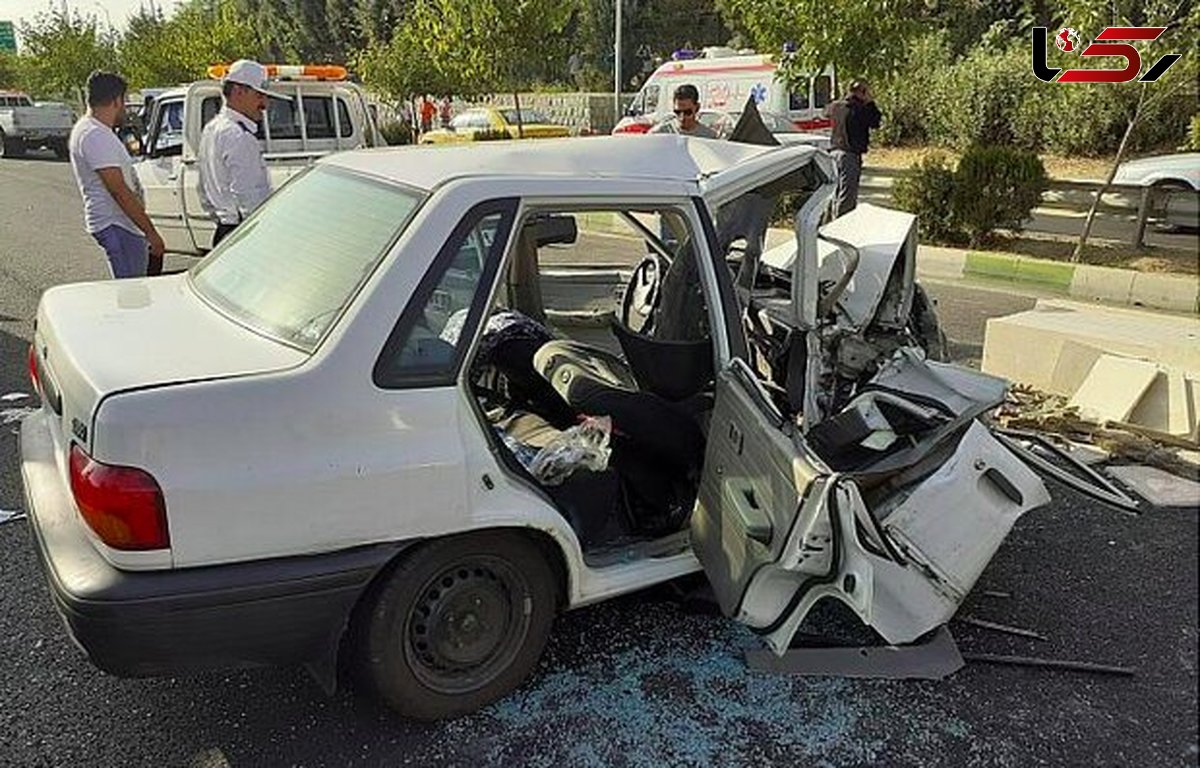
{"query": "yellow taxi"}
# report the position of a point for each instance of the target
(482, 123)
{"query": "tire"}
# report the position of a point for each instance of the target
(11, 147)
(458, 624)
(60, 149)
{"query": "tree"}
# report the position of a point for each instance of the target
(157, 51)
(468, 49)
(60, 50)
(1182, 22)
(650, 30)
(10, 70)
(859, 39)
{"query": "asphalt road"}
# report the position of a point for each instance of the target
(640, 681)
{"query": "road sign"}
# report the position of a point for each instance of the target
(8, 38)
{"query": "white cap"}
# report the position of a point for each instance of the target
(252, 75)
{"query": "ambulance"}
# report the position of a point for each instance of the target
(726, 78)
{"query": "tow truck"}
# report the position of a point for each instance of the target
(294, 132)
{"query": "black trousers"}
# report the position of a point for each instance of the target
(222, 231)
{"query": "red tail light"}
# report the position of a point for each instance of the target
(33, 369)
(123, 505)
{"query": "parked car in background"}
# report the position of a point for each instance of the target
(25, 125)
(324, 114)
(1173, 182)
(496, 122)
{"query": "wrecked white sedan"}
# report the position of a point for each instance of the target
(392, 421)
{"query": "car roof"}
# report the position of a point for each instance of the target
(665, 157)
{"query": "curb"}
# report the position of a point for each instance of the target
(1175, 293)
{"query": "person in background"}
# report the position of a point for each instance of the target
(444, 110)
(427, 113)
(233, 174)
(854, 117)
(113, 211)
(685, 122)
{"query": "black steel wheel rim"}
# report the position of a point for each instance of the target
(467, 624)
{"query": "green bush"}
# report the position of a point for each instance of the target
(905, 97)
(927, 191)
(992, 188)
(976, 100)
(996, 188)
(989, 96)
(396, 132)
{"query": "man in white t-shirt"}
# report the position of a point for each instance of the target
(112, 198)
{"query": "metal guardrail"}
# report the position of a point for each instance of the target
(1062, 194)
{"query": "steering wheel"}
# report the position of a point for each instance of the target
(641, 296)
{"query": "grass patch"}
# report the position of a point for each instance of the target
(1101, 254)
(1057, 167)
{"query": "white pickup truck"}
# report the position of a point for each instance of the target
(292, 138)
(25, 125)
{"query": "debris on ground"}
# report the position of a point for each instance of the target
(1162, 489)
(998, 627)
(1031, 409)
(13, 415)
(8, 515)
(1063, 664)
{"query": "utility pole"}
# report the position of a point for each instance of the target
(617, 66)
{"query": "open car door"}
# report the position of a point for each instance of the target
(900, 538)
(882, 490)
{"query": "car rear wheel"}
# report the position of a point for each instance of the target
(458, 624)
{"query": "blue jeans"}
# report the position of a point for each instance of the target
(128, 254)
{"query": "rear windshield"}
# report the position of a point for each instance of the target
(290, 269)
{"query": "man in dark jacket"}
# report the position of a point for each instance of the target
(853, 119)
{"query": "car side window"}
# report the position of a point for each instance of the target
(651, 105)
(798, 100)
(426, 347)
(318, 118)
(209, 109)
(822, 91)
(168, 129)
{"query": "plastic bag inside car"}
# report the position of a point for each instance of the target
(585, 446)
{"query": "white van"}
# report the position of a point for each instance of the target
(725, 79)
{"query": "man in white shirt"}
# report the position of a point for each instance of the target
(233, 174)
(113, 211)
(685, 122)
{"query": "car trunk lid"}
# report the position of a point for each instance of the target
(94, 340)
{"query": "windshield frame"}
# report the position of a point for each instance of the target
(255, 324)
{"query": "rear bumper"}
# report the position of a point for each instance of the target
(136, 624)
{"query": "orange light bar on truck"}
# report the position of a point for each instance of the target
(290, 71)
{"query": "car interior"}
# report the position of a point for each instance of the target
(557, 355)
